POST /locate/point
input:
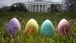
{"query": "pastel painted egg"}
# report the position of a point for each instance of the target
(63, 27)
(31, 27)
(13, 26)
(47, 28)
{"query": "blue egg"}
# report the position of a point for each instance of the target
(47, 28)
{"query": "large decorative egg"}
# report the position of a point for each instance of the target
(13, 26)
(31, 27)
(47, 28)
(63, 27)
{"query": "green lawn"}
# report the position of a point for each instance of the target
(23, 17)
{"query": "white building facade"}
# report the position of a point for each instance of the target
(38, 5)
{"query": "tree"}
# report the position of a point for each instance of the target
(12, 8)
(55, 7)
(70, 5)
(4, 8)
(18, 7)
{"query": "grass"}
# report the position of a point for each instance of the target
(23, 17)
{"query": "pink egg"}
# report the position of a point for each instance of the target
(63, 27)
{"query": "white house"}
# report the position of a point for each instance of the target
(38, 5)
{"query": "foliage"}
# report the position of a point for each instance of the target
(18, 7)
(70, 5)
(4, 8)
(55, 7)
(14, 7)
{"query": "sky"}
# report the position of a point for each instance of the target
(10, 2)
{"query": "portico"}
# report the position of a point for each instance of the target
(38, 5)
(37, 8)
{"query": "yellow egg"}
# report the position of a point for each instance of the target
(31, 27)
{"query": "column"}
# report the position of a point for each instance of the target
(35, 8)
(42, 8)
(31, 9)
(39, 8)
(45, 8)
